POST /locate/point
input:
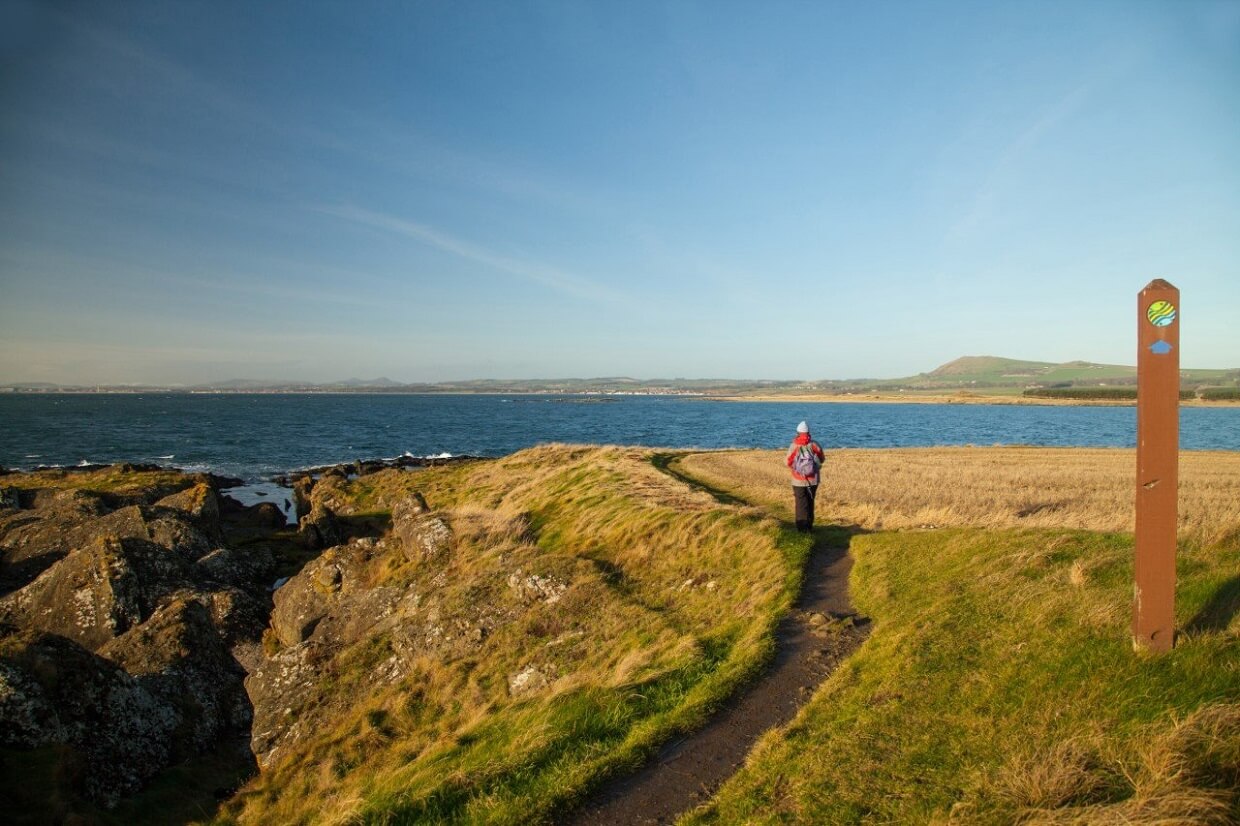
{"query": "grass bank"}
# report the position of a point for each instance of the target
(999, 684)
(669, 603)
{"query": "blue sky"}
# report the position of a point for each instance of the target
(200, 191)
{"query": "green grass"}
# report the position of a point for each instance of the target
(640, 653)
(999, 684)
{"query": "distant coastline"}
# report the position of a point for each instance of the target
(959, 397)
(966, 380)
(895, 398)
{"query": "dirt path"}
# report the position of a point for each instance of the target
(810, 642)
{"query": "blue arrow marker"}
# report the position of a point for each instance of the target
(1160, 348)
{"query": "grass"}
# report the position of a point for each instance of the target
(113, 479)
(991, 487)
(671, 604)
(999, 684)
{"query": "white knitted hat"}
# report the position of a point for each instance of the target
(802, 428)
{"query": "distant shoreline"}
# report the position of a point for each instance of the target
(810, 398)
(880, 398)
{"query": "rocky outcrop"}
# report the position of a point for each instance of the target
(120, 627)
(250, 569)
(201, 505)
(90, 597)
(536, 588)
(55, 692)
(241, 523)
(319, 528)
(180, 659)
(301, 495)
(370, 614)
(339, 604)
(330, 583)
(44, 527)
(423, 535)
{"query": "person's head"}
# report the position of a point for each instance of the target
(803, 428)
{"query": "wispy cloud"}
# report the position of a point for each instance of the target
(986, 199)
(536, 273)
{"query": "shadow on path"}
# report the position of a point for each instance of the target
(811, 640)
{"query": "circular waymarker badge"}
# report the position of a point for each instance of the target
(1161, 313)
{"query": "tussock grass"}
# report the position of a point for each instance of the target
(671, 603)
(999, 686)
(992, 487)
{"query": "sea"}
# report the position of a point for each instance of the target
(256, 436)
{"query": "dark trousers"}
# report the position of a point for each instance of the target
(804, 497)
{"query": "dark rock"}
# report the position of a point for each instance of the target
(249, 569)
(180, 660)
(267, 515)
(319, 528)
(171, 529)
(302, 602)
(241, 523)
(169, 610)
(239, 616)
(131, 467)
(199, 503)
(90, 596)
(223, 482)
(49, 525)
(301, 495)
(10, 499)
(278, 685)
(364, 468)
(53, 691)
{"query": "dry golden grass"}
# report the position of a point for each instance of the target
(665, 602)
(1086, 488)
(1186, 775)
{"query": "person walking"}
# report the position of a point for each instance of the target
(805, 458)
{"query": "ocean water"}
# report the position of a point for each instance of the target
(255, 436)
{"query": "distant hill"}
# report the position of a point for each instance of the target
(990, 365)
(992, 371)
(988, 375)
(382, 381)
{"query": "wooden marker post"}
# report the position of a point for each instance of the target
(1158, 460)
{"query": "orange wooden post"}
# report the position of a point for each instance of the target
(1158, 460)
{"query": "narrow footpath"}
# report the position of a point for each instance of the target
(810, 642)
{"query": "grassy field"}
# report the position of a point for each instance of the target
(999, 684)
(670, 603)
(991, 487)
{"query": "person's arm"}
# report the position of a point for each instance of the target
(792, 451)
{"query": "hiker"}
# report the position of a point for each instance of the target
(805, 457)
